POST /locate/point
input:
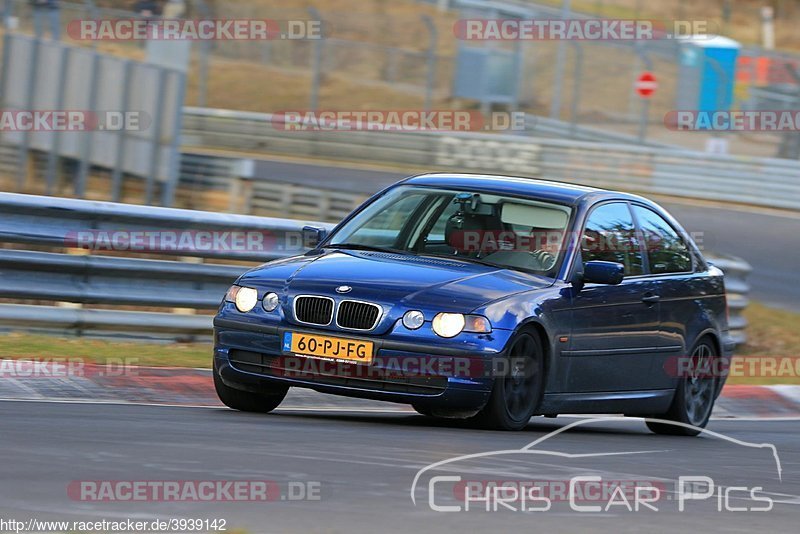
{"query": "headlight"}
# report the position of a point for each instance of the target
(270, 301)
(245, 298)
(413, 319)
(448, 324)
(452, 324)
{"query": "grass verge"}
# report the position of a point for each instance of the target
(40, 347)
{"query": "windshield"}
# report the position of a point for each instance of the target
(501, 231)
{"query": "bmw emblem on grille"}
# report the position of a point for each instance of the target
(344, 289)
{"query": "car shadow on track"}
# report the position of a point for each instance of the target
(538, 425)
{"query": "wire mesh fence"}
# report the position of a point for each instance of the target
(396, 57)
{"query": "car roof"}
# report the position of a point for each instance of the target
(560, 192)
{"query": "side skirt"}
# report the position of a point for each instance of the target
(643, 402)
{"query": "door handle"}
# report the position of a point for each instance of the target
(651, 299)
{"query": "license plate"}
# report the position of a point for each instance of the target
(332, 348)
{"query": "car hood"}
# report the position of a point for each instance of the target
(397, 282)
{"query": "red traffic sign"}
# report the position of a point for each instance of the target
(646, 85)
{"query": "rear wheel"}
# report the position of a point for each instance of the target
(247, 401)
(694, 396)
(518, 390)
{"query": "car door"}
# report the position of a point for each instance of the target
(672, 269)
(615, 329)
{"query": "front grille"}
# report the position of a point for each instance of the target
(357, 315)
(314, 310)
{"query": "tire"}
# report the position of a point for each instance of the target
(694, 397)
(246, 401)
(517, 392)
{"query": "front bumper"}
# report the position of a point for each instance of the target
(407, 367)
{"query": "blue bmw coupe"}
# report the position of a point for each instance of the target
(486, 297)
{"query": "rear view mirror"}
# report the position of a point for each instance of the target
(603, 272)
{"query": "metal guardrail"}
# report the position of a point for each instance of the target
(536, 125)
(185, 282)
(761, 181)
(54, 278)
(736, 286)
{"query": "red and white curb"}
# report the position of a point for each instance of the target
(194, 387)
(759, 402)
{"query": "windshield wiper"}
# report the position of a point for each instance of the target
(359, 246)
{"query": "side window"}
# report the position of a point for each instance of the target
(666, 250)
(609, 235)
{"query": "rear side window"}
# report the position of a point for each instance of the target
(666, 250)
(610, 235)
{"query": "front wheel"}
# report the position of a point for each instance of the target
(517, 392)
(247, 401)
(694, 396)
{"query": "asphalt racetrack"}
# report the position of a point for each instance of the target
(360, 467)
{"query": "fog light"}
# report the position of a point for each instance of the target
(448, 324)
(413, 319)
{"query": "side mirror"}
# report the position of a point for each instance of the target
(313, 236)
(603, 272)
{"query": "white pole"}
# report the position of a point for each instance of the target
(561, 59)
(768, 27)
